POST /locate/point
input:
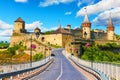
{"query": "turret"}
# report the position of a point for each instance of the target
(19, 26)
(37, 30)
(69, 27)
(110, 30)
(86, 27)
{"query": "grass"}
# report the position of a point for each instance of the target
(19, 58)
(55, 46)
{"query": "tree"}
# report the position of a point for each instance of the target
(49, 32)
(117, 36)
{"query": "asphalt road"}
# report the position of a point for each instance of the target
(60, 69)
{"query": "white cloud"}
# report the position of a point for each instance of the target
(32, 26)
(86, 2)
(68, 13)
(4, 25)
(79, 3)
(22, 1)
(46, 3)
(99, 7)
(102, 18)
(6, 33)
(48, 29)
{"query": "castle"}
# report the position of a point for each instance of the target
(61, 36)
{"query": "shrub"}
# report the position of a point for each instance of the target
(94, 53)
(38, 56)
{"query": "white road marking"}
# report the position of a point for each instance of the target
(61, 72)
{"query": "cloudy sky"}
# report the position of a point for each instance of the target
(45, 14)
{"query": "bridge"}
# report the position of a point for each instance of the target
(61, 66)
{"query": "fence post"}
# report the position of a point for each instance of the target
(11, 78)
(112, 70)
(18, 75)
(117, 73)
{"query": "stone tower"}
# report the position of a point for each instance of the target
(19, 26)
(86, 27)
(69, 27)
(110, 30)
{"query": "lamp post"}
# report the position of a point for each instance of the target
(32, 46)
(30, 50)
(45, 52)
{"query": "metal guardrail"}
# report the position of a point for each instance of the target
(20, 71)
(112, 70)
(87, 66)
(99, 75)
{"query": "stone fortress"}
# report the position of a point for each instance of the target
(62, 36)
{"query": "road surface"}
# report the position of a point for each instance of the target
(60, 69)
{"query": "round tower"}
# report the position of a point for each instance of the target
(110, 30)
(86, 27)
(19, 26)
(37, 30)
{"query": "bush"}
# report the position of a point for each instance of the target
(94, 53)
(38, 56)
(4, 45)
(49, 32)
(55, 46)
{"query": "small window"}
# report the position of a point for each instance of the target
(42, 39)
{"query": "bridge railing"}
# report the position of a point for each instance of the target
(112, 71)
(99, 75)
(14, 69)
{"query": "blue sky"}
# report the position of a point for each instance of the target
(46, 13)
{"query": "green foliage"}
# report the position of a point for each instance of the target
(94, 53)
(110, 47)
(12, 50)
(38, 56)
(49, 32)
(117, 36)
(55, 46)
(4, 45)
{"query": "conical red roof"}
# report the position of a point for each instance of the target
(110, 26)
(110, 23)
(86, 19)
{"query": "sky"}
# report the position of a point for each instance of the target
(46, 14)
